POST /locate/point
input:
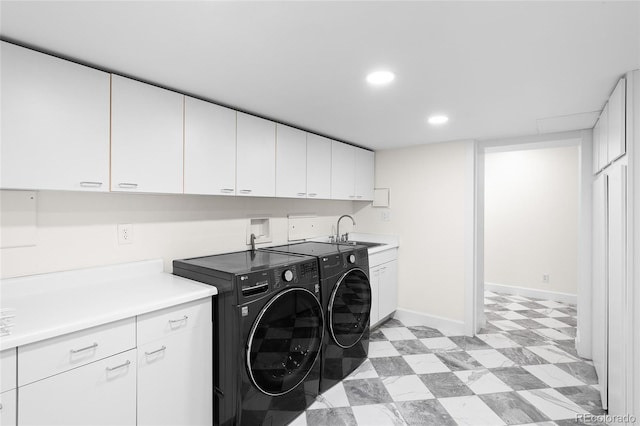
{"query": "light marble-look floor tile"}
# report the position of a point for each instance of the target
(341, 416)
(552, 375)
(331, 398)
(491, 358)
(551, 313)
(497, 340)
(552, 403)
(422, 413)
(482, 381)
(425, 364)
(552, 304)
(406, 388)
(440, 344)
(516, 307)
(381, 349)
(552, 354)
(552, 334)
(551, 322)
(378, 415)
(510, 315)
(364, 371)
(512, 408)
(471, 411)
(400, 333)
(507, 325)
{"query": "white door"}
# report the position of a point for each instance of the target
(256, 156)
(596, 147)
(388, 290)
(146, 137)
(291, 162)
(209, 148)
(318, 166)
(617, 295)
(374, 281)
(100, 393)
(54, 123)
(600, 291)
(8, 403)
(603, 138)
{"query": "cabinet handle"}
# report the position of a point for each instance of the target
(352, 196)
(301, 194)
(175, 321)
(88, 184)
(312, 194)
(156, 351)
(358, 196)
(128, 185)
(245, 191)
(0, 406)
(75, 351)
(124, 364)
(227, 190)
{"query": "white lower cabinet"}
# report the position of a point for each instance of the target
(175, 371)
(100, 393)
(8, 408)
(383, 275)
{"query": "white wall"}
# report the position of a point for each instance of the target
(76, 230)
(531, 218)
(427, 213)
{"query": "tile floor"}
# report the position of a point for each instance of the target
(521, 369)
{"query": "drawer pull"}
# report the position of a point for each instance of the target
(312, 194)
(177, 321)
(245, 191)
(75, 351)
(128, 185)
(88, 184)
(301, 194)
(163, 348)
(124, 364)
(227, 190)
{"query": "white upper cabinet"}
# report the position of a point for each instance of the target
(318, 166)
(55, 123)
(291, 162)
(352, 172)
(146, 137)
(256, 156)
(365, 163)
(209, 148)
(343, 161)
(616, 145)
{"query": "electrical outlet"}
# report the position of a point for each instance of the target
(125, 234)
(385, 215)
(545, 278)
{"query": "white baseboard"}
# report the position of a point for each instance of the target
(569, 298)
(447, 326)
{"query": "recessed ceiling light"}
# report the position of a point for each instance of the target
(438, 119)
(378, 78)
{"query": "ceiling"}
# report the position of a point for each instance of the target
(496, 68)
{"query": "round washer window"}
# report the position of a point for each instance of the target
(285, 341)
(349, 308)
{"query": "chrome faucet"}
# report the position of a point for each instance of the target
(338, 226)
(253, 242)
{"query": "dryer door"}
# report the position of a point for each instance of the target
(349, 308)
(285, 341)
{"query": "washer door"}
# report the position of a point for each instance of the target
(349, 308)
(285, 341)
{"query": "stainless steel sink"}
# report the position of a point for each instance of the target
(363, 243)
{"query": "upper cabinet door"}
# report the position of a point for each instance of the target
(343, 161)
(55, 123)
(365, 163)
(256, 156)
(616, 144)
(603, 138)
(209, 148)
(146, 137)
(291, 162)
(318, 166)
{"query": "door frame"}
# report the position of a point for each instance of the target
(474, 225)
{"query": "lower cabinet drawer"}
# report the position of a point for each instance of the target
(52, 356)
(100, 393)
(8, 367)
(173, 320)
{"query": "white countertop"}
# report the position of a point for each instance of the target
(50, 305)
(388, 241)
